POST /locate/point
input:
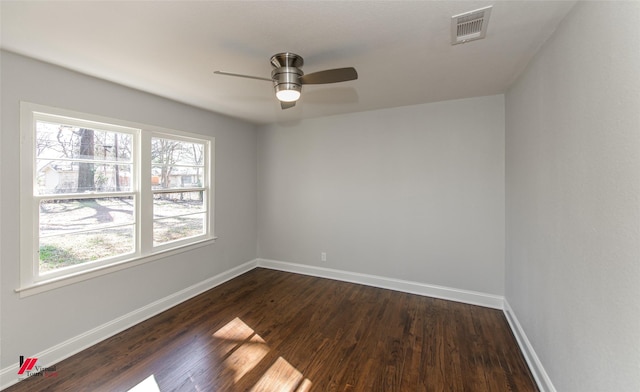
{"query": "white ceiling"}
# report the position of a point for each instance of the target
(401, 49)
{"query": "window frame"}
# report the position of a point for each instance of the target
(31, 280)
(204, 188)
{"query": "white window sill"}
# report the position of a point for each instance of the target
(46, 285)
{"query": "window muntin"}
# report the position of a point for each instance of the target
(77, 222)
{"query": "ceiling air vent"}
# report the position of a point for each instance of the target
(470, 26)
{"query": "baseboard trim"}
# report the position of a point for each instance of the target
(539, 373)
(61, 351)
(428, 290)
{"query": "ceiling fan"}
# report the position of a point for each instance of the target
(288, 78)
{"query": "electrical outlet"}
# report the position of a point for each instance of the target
(323, 256)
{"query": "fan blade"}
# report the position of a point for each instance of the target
(287, 105)
(240, 76)
(330, 76)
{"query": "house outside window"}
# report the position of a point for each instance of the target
(98, 193)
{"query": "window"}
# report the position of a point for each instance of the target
(99, 193)
(177, 174)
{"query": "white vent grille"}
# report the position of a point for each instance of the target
(470, 26)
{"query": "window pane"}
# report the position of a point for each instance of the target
(64, 216)
(77, 248)
(176, 228)
(176, 177)
(54, 177)
(63, 141)
(176, 164)
(168, 152)
(179, 203)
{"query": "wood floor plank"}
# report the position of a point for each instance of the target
(275, 331)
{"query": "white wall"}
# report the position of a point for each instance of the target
(413, 193)
(38, 322)
(572, 206)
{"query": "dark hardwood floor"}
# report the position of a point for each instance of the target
(275, 331)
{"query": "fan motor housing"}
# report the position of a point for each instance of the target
(287, 78)
(287, 73)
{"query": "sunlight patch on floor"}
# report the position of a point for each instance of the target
(241, 345)
(243, 349)
(149, 384)
(247, 356)
(282, 376)
(231, 335)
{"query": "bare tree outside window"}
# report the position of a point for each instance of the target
(86, 177)
(165, 153)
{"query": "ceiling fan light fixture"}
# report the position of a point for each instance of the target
(288, 78)
(288, 95)
(287, 92)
